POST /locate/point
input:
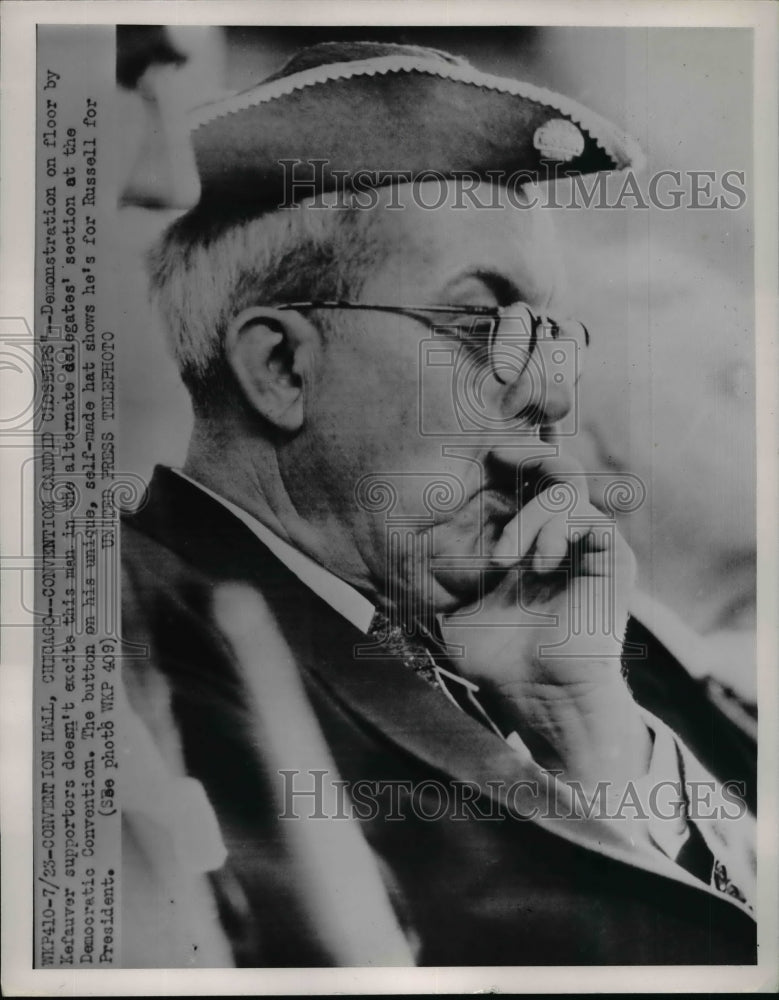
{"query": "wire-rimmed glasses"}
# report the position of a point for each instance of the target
(508, 334)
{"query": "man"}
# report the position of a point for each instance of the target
(378, 576)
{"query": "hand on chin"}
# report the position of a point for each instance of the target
(544, 640)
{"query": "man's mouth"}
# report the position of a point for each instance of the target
(466, 547)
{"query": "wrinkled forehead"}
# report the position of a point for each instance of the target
(434, 231)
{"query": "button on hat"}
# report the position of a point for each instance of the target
(559, 139)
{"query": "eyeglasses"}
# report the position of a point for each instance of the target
(509, 337)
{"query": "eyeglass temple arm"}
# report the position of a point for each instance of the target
(345, 304)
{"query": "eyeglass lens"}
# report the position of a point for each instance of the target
(515, 343)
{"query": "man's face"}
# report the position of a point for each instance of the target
(423, 496)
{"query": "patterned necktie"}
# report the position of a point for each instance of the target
(406, 646)
(420, 650)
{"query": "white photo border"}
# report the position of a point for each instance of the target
(19, 20)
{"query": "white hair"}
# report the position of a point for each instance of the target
(206, 269)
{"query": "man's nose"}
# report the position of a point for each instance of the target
(164, 174)
(546, 391)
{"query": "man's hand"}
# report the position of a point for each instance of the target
(544, 644)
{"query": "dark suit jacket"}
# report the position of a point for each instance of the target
(472, 891)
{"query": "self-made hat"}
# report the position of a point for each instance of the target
(360, 115)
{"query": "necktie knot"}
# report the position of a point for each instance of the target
(407, 644)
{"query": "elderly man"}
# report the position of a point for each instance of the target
(378, 563)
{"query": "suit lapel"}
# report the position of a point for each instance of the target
(385, 695)
(419, 721)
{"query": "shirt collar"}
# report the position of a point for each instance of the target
(341, 596)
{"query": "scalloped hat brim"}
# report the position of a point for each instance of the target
(394, 116)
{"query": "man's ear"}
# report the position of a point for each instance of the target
(271, 352)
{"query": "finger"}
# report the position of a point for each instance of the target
(598, 614)
(564, 468)
(551, 545)
(596, 564)
(558, 538)
(597, 538)
(608, 556)
(520, 533)
(506, 549)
